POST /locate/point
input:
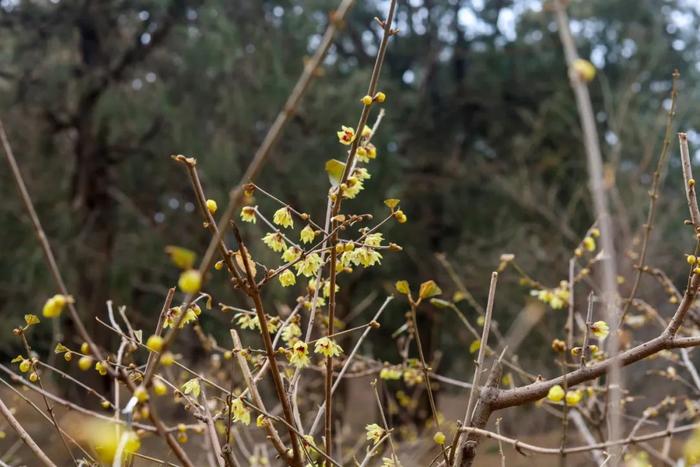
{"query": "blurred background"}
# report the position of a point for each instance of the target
(481, 142)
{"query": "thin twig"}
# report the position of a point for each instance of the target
(24, 436)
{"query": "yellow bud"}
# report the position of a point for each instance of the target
(400, 216)
(190, 281)
(167, 359)
(33, 377)
(219, 265)
(439, 438)
(25, 365)
(212, 206)
(228, 355)
(691, 182)
(84, 348)
(696, 270)
(584, 69)
(105, 404)
(691, 259)
(85, 363)
(556, 393)
(141, 394)
(181, 427)
(155, 343)
(159, 388)
(380, 97)
(68, 356)
(367, 100)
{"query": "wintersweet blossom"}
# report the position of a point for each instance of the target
(309, 265)
(346, 135)
(240, 412)
(299, 355)
(327, 347)
(248, 214)
(307, 234)
(291, 254)
(274, 241)
(287, 278)
(283, 217)
(600, 329)
(374, 433)
(556, 393)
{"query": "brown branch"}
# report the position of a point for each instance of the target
(653, 197)
(689, 182)
(24, 436)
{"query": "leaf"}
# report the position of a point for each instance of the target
(335, 170)
(18, 358)
(429, 289)
(458, 296)
(60, 348)
(139, 335)
(192, 387)
(403, 287)
(31, 319)
(391, 203)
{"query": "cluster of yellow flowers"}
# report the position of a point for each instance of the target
(172, 316)
(556, 298)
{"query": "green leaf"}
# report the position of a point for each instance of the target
(335, 170)
(18, 358)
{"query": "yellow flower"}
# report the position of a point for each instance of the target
(212, 206)
(248, 214)
(287, 278)
(307, 234)
(291, 254)
(283, 217)
(367, 100)
(691, 259)
(352, 187)
(291, 332)
(600, 329)
(247, 321)
(362, 154)
(309, 265)
(374, 239)
(556, 393)
(374, 433)
(155, 343)
(390, 373)
(240, 412)
(589, 243)
(54, 305)
(173, 316)
(275, 241)
(299, 355)
(400, 216)
(327, 347)
(361, 173)
(141, 394)
(365, 256)
(366, 132)
(380, 97)
(33, 377)
(346, 136)
(190, 281)
(573, 397)
(584, 69)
